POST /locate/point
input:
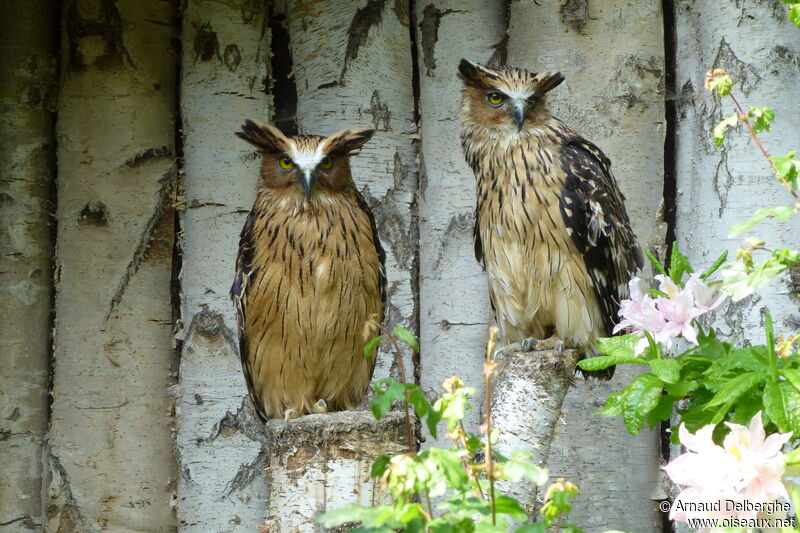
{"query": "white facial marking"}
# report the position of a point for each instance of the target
(305, 161)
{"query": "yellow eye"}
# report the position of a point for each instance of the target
(285, 163)
(495, 99)
(326, 163)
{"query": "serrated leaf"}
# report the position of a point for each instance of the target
(406, 337)
(382, 403)
(788, 167)
(638, 399)
(782, 213)
(792, 375)
(736, 387)
(719, 129)
(762, 117)
(372, 345)
(668, 370)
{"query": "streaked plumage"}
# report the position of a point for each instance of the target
(309, 274)
(551, 228)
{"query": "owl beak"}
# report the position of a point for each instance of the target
(308, 179)
(517, 112)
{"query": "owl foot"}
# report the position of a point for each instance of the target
(552, 343)
(289, 414)
(320, 407)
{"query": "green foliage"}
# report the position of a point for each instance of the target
(719, 129)
(794, 14)
(782, 213)
(762, 118)
(788, 168)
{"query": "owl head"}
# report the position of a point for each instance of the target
(307, 162)
(505, 97)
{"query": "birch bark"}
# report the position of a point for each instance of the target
(109, 455)
(454, 302)
(221, 457)
(27, 157)
(612, 56)
(721, 186)
(352, 69)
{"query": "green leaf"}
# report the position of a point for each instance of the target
(644, 395)
(722, 84)
(662, 411)
(407, 337)
(735, 388)
(762, 117)
(383, 402)
(379, 466)
(750, 359)
(794, 14)
(788, 167)
(619, 346)
(679, 389)
(519, 466)
(782, 405)
(668, 370)
(509, 506)
(531, 528)
(348, 514)
(678, 265)
(719, 129)
(792, 375)
(714, 266)
(601, 362)
(372, 345)
(782, 213)
(655, 262)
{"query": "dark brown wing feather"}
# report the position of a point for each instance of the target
(592, 206)
(364, 206)
(244, 262)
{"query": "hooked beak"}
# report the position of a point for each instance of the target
(308, 180)
(517, 112)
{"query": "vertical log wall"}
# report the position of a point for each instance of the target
(109, 452)
(28, 86)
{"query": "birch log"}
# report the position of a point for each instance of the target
(612, 56)
(27, 157)
(527, 396)
(721, 186)
(321, 462)
(109, 459)
(454, 302)
(221, 458)
(352, 69)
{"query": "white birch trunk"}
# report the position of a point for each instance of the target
(221, 485)
(321, 462)
(352, 69)
(27, 157)
(527, 397)
(109, 458)
(454, 303)
(612, 56)
(721, 186)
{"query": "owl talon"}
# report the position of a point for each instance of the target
(289, 414)
(551, 343)
(320, 407)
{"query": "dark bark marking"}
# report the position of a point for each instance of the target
(206, 44)
(94, 213)
(140, 253)
(148, 155)
(71, 518)
(742, 72)
(459, 227)
(232, 57)
(358, 32)
(402, 8)
(282, 86)
(574, 14)
(379, 111)
(429, 31)
(108, 26)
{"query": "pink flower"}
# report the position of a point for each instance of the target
(747, 469)
(666, 318)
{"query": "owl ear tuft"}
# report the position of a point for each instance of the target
(470, 73)
(549, 81)
(267, 139)
(345, 141)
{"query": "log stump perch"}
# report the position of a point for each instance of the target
(320, 462)
(527, 396)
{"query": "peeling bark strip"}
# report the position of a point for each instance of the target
(616, 100)
(320, 462)
(110, 462)
(454, 303)
(365, 47)
(526, 403)
(27, 156)
(224, 68)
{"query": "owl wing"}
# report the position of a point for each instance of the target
(244, 271)
(592, 208)
(364, 206)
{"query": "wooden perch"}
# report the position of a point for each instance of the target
(526, 402)
(321, 462)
